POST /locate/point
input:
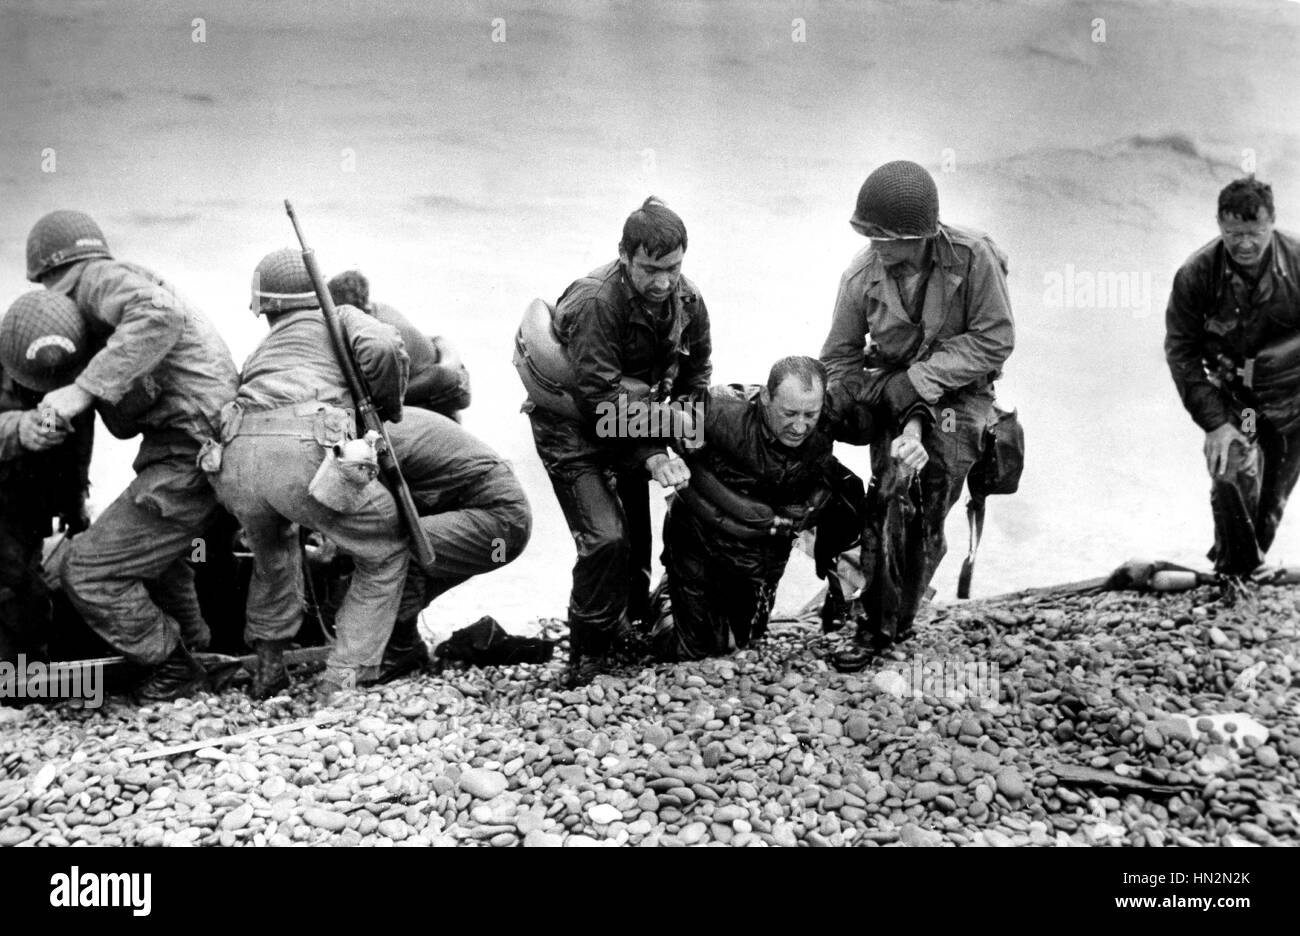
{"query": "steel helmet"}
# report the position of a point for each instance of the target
(43, 340)
(62, 237)
(898, 200)
(281, 283)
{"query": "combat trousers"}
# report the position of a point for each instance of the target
(263, 481)
(716, 595)
(606, 502)
(488, 529)
(127, 575)
(1248, 505)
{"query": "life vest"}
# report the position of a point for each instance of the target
(543, 366)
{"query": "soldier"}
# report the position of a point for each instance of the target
(293, 407)
(765, 472)
(1233, 347)
(923, 318)
(44, 464)
(473, 510)
(160, 369)
(439, 381)
(636, 319)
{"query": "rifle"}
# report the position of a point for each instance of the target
(368, 416)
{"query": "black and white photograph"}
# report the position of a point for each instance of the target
(593, 423)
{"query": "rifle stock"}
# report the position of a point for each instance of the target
(367, 414)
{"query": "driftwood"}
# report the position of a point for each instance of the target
(1092, 776)
(240, 738)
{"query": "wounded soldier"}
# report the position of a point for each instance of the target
(764, 473)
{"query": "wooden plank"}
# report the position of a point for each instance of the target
(188, 746)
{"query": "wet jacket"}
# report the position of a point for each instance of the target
(965, 332)
(1214, 310)
(742, 452)
(160, 364)
(295, 363)
(609, 334)
(431, 385)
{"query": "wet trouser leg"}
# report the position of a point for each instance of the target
(135, 541)
(470, 540)
(716, 596)
(594, 513)
(634, 494)
(1250, 498)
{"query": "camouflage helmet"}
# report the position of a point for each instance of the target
(898, 200)
(281, 283)
(43, 340)
(62, 237)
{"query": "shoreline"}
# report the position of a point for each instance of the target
(1085, 744)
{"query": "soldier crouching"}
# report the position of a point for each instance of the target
(293, 407)
(159, 369)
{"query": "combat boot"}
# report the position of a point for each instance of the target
(271, 677)
(588, 647)
(405, 653)
(177, 676)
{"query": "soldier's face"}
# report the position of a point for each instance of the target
(900, 252)
(793, 410)
(654, 278)
(1244, 240)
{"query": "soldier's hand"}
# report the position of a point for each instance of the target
(67, 402)
(1218, 448)
(669, 472)
(909, 451)
(36, 434)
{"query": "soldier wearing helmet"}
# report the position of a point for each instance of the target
(294, 411)
(44, 463)
(157, 368)
(922, 322)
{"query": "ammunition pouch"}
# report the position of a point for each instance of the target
(1002, 461)
(1273, 376)
(342, 484)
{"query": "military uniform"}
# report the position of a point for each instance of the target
(1216, 311)
(162, 372)
(963, 331)
(293, 404)
(470, 503)
(611, 335)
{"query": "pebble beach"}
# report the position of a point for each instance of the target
(1097, 719)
